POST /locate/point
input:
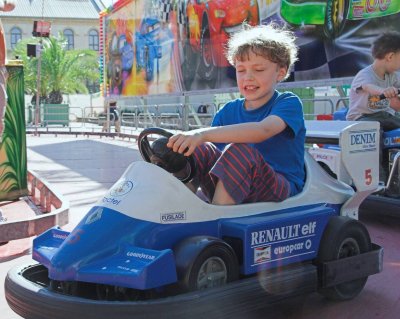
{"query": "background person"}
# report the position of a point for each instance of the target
(254, 150)
(378, 78)
(114, 115)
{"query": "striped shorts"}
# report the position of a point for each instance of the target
(243, 171)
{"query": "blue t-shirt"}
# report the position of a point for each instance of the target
(284, 152)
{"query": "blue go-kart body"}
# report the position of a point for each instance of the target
(149, 235)
(130, 237)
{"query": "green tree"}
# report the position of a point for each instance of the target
(62, 71)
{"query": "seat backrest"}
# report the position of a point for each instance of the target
(340, 115)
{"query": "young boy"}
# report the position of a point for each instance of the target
(376, 79)
(254, 150)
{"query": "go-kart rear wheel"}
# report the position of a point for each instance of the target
(343, 237)
(215, 266)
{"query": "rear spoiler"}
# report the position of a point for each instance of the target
(326, 132)
(358, 143)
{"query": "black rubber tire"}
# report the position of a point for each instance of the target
(218, 254)
(343, 237)
(335, 17)
(36, 301)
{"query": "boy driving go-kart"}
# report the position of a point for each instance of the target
(239, 159)
(150, 246)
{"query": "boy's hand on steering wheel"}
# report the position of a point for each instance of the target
(185, 143)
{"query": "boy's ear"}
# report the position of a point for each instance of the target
(281, 73)
(389, 55)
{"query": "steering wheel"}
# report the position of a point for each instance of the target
(159, 154)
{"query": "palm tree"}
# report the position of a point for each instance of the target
(62, 71)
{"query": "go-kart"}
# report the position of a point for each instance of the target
(387, 198)
(152, 247)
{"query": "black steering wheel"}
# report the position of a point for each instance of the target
(159, 154)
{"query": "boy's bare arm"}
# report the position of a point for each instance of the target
(372, 89)
(253, 132)
(392, 93)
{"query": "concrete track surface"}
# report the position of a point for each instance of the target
(83, 168)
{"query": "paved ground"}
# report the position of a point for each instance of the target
(82, 169)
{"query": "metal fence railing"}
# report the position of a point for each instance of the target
(61, 118)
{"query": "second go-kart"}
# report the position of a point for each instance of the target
(150, 247)
(387, 199)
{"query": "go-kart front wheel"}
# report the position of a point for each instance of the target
(343, 237)
(214, 265)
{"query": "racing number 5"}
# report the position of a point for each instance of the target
(368, 177)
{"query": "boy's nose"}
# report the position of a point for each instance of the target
(249, 75)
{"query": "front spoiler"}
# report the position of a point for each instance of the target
(31, 300)
(125, 266)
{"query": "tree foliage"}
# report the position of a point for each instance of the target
(62, 71)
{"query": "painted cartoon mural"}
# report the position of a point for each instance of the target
(331, 15)
(139, 46)
(155, 47)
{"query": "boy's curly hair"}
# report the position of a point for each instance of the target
(386, 43)
(269, 41)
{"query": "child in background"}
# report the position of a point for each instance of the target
(378, 78)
